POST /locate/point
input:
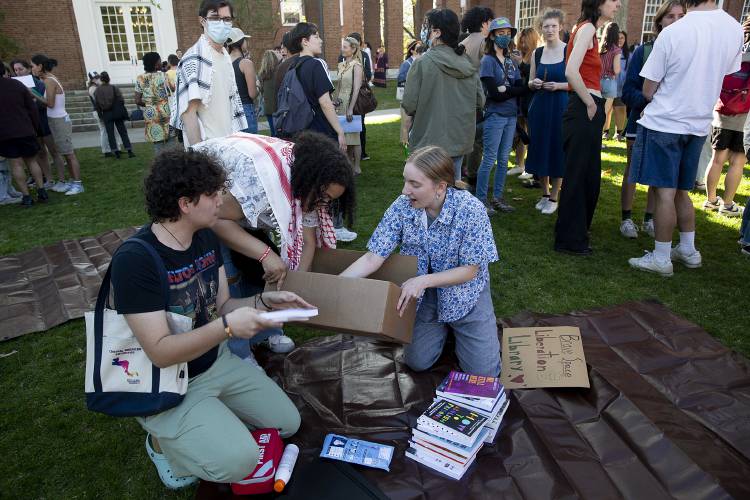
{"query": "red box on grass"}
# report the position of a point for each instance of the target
(260, 480)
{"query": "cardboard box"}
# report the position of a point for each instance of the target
(360, 306)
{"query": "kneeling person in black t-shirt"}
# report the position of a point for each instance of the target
(206, 435)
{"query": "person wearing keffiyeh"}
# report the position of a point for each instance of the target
(206, 99)
(282, 187)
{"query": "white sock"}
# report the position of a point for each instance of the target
(663, 250)
(687, 242)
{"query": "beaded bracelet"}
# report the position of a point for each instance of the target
(265, 254)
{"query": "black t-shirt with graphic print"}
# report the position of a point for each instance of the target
(193, 276)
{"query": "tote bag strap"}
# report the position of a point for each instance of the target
(101, 301)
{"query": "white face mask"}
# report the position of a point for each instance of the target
(218, 31)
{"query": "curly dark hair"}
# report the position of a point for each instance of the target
(318, 163)
(475, 17)
(176, 173)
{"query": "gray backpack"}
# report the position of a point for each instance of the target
(293, 111)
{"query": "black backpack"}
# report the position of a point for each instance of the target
(293, 110)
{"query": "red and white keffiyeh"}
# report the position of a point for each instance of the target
(272, 159)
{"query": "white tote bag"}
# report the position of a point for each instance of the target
(120, 379)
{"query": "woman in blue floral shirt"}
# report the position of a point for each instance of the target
(450, 234)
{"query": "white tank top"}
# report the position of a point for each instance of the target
(58, 110)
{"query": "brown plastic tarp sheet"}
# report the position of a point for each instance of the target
(47, 286)
(667, 414)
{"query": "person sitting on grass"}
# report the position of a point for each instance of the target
(449, 232)
(286, 188)
(206, 436)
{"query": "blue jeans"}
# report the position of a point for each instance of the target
(270, 125)
(498, 141)
(252, 122)
(745, 226)
(239, 289)
(477, 344)
(458, 161)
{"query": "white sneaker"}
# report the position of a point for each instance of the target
(713, 206)
(732, 211)
(629, 229)
(648, 228)
(525, 176)
(61, 187)
(280, 343)
(75, 188)
(343, 234)
(14, 193)
(542, 202)
(650, 263)
(515, 171)
(10, 200)
(691, 261)
(48, 185)
(550, 208)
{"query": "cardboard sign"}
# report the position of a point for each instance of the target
(544, 356)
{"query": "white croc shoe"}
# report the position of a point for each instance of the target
(165, 470)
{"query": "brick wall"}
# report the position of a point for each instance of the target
(394, 32)
(186, 23)
(43, 30)
(371, 15)
(353, 17)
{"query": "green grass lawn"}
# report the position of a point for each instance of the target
(54, 448)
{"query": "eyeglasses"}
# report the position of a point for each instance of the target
(225, 20)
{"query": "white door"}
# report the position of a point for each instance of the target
(128, 31)
(115, 34)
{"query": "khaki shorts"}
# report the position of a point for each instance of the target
(62, 133)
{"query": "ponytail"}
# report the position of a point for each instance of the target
(45, 62)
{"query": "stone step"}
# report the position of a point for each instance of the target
(93, 127)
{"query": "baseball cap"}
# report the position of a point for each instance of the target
(93, 75)
(236, 35)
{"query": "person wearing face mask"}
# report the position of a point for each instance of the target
(207, 102)
(443, 91)
(582, 129)
(449, 232)
(502, 84)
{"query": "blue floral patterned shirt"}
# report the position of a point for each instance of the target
(460, 236)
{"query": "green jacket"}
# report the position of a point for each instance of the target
(443, 93)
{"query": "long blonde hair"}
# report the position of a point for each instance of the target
(357, 56)
(268, 65)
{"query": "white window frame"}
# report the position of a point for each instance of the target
(300, 11)
(649, 10)
(526, 17)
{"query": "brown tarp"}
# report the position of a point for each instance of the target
(667, 414)
(47, 286)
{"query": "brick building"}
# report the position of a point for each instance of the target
(111, 35)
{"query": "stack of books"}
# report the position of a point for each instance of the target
(466, 413)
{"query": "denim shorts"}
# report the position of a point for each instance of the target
(665, 160)
(609, 87)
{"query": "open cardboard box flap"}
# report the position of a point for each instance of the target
(360, 306)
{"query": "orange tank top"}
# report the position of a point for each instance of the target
(591, 66)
